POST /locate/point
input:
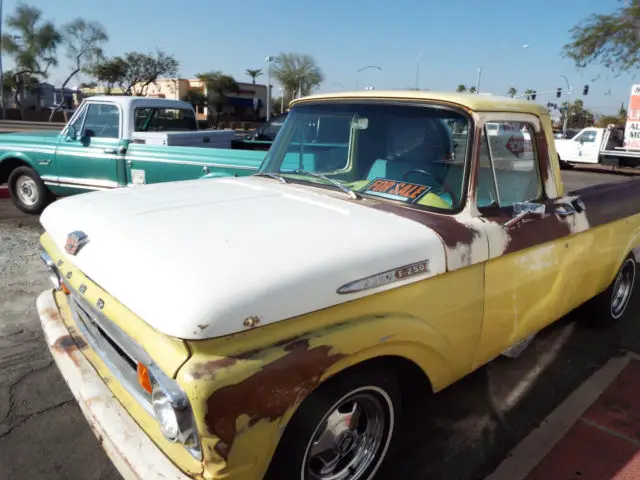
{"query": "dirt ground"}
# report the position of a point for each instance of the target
(460, 434)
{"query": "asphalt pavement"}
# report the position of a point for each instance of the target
(462, 433)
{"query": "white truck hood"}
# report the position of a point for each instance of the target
(194, 259)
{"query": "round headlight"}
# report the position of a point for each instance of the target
(165, 414)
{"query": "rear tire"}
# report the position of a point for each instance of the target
(358, 414)
(608, 307)
(27, 190)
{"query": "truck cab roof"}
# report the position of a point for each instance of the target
(127, 101)
(486, 103)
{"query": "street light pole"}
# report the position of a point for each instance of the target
(482, 67)
(281, 100)
(418, 70)
(364, 68)
(269, 59)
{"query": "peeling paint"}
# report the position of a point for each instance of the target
(269, 393)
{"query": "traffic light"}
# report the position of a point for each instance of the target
(559, 92)
(585, 90)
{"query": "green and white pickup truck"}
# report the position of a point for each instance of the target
(117, 141)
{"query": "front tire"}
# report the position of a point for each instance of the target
(344, 430)
(608, 307)
(27, 190)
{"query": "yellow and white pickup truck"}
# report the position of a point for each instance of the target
(269, 326)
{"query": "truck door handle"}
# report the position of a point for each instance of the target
(129, 162)
(110, 151)
(565, 209)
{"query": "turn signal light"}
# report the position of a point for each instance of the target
(143, 378)
(65, 289)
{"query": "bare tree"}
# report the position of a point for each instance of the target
(83, 41)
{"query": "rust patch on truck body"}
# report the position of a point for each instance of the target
(452, 232)
(270, 392)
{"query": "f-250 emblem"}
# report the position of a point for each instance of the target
(75, 241)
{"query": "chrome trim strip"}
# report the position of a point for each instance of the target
(94, 326)
(186, 162)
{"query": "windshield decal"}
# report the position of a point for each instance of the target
(395, 190)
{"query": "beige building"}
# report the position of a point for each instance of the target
(249, 100)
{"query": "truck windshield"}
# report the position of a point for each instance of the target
(400, 153)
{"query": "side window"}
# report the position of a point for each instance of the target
(102, 121)
(508, 169)
(586, 137)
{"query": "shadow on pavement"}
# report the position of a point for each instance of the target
(465, 431)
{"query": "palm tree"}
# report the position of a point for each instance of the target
(219, 85)
(253, 73)
(528, 93)
(512, 92)
(461, 88)
(297, 72)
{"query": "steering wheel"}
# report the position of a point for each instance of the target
(442, 183)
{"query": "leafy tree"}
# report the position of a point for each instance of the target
(195, 97)
(83, 41)
(472, 90)
(297, 72)
(512, 92)
(32, 43)
(142, 70)
(461, 88)
(605, 120)
(219, 85)
(110, 72)
(135, 71)
(253, 73)
(611, 40)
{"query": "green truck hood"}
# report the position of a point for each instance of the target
(48, 137)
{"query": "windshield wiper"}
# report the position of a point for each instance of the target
(272, 175)
(333, 182)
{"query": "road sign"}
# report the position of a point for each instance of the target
(632, 128)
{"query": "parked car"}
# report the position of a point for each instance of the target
(117, 141)
(273, 325)
(262, 137)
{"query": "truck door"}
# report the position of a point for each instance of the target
(88, 151)
(530, 277)
(587, 146)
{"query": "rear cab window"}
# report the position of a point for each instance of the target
(161, 119)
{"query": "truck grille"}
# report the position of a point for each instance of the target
(114, 347)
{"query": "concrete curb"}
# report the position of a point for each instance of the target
(536, 446)
(4, 192)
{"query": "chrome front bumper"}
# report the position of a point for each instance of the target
(127, 445)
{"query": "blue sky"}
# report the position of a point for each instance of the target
(455, 38)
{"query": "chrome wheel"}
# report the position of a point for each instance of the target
(622, 288)
(26, 190)
(352, 438)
